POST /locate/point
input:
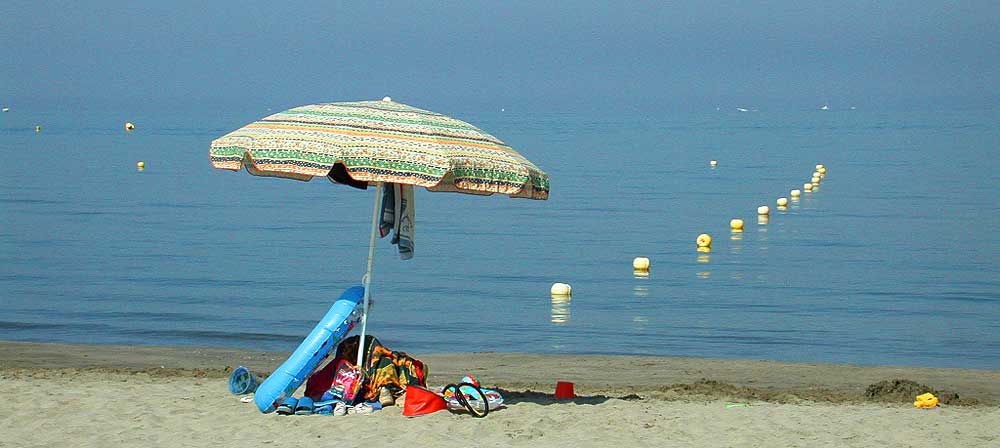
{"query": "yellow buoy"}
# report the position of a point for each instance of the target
(807, 187)
(129, 126)
(821, 170)
(782, 202)
(815, 179)
(816, 174)
(795, 193)
(640, 264)
(763, 210)
(704, 240)
(140, 164)
(38, 129)
(561, 290)
(714, 163)
(819, 166)
(736, 224)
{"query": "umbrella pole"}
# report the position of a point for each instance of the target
(367, 280)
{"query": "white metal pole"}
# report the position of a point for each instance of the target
(367, 280)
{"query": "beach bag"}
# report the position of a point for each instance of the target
(466, 396)
(470, 396)
(346, 381)
(421, 401)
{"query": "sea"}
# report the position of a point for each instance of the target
(891, 260)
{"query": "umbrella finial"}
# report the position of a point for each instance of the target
(386, 99)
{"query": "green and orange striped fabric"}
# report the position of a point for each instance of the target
(380, 141)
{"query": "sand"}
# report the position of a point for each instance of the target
(91, 396)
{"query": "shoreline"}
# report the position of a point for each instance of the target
(94, 396)
(644, 376)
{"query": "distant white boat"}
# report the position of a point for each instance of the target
(742, 109)
(6, 109)
(825, 107)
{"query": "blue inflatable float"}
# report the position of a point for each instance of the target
(344, 313)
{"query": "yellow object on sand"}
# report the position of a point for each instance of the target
(926, 401)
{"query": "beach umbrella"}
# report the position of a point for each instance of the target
(366, 143)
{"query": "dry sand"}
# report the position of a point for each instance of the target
(99, 396)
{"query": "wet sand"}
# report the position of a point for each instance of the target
(82, 395)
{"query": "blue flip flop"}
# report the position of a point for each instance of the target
(305, 406)
(287, 407)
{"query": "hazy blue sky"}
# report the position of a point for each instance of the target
(513, 53)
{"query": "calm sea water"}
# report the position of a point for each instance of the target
(892, 261)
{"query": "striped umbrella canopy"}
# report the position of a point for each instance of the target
(380, 141)
(376, 142)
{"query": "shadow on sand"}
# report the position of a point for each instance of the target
(542, 398)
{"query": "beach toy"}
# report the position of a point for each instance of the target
(564, 390)
(640, 264)
(763, 210)
(807, 187)
(243, 381)
(714, 163)
(704, 240)
(795, 193)
(736, 224)
(561, 289)
(782, 202)
(129, 126)
(338, 321)
(926, 401)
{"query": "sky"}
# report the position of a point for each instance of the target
(528, 54)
